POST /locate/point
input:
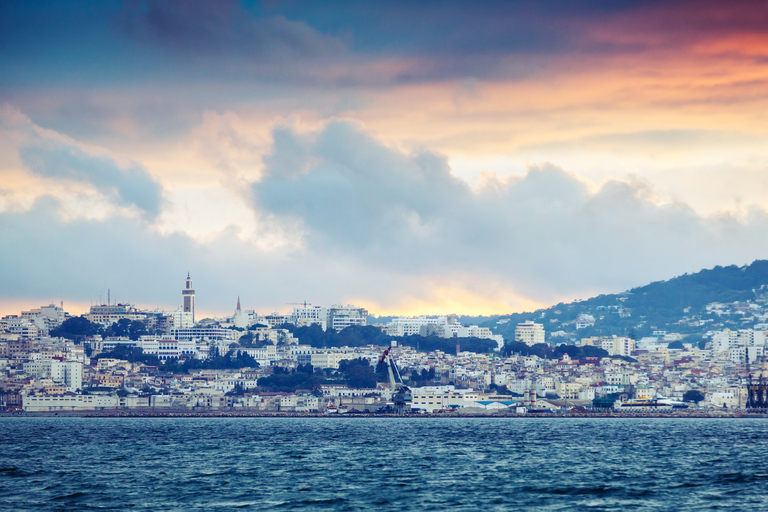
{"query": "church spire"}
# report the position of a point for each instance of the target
(238, 303)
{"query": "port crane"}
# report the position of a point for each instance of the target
(401, 394)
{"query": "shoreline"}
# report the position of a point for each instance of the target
(275, 414)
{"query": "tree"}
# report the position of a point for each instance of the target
(121, 328)
(76, 328)
(284, 380)
(137, 329)
(693, 395)
(130, 354)
(358, 373)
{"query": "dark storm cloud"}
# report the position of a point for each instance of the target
(546, 231)
(222, 34)
(327, 42)
(192, 45)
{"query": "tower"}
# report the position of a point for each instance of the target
(188, 298)
(239, 319)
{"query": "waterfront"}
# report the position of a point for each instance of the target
(383, 464)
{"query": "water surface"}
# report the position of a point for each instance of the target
(382, 464)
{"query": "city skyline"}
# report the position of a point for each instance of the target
(418, 159)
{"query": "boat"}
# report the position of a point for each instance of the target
(658, 404)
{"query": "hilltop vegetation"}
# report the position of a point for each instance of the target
(676, 305)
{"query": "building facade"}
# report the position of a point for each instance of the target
(530, 333)
(188, 298)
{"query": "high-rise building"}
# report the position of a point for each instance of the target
(341, 317)
(188, 298)
(529, 333)
(107, 314)
(307, 314)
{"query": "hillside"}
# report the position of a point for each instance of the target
(677, 305)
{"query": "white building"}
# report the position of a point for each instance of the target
(618, 346)
(403, 326)
(25, 328)
(435, 398)
(308, 314)
(328, 359)
(108, 314)
(203, 333)
(167, 348)
(442, 326)
(182, 319)
(68, 403)
(45, 317)
(67, 373)
(265, 356)
(529, 333)
(240, 319)
(584, 320)
(728, 342)
(728, 398)
(274, 336)
(341, 317)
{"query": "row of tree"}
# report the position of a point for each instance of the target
(233, 360)
(362, 335)
(77, 328)
(546, 351)
(354, 373)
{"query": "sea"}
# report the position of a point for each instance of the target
(348, 463)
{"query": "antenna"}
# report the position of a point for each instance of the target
(109, 294)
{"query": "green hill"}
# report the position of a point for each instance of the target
(676, 305)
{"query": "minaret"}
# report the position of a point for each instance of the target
(188, 298)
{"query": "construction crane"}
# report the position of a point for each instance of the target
(305, 304)
(401, 394)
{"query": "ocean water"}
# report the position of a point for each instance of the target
(383, 464)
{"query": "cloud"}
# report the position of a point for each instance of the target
(356, 190)
(545, 234)
(129, 186)
(385, 229)
(47, 258)
(216, 33)
(56, 157)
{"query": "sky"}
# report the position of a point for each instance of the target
(407, 157)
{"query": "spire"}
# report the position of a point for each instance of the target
(238, 303)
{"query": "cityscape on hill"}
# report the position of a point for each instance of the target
(409, 255)
(688, 343)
